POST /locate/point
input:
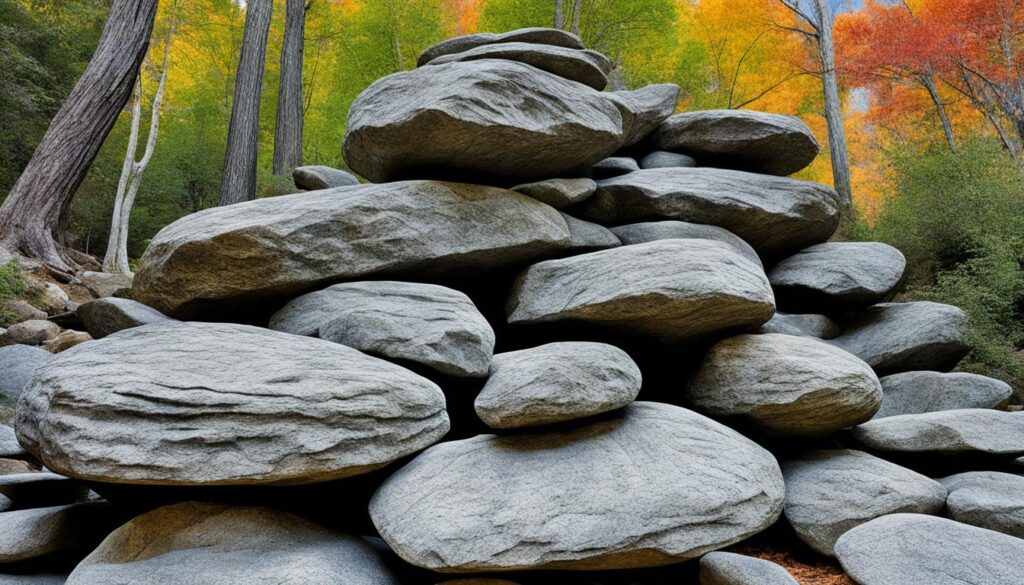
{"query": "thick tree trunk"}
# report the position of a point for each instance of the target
(559, 14)
(239, 178)
(940, 108)
(36, 208)
(288, 131)
(833, 109)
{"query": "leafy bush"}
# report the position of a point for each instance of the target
(12, 283)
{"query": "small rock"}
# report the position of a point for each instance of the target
(830, 492)
(900, 337)
(837, 276)
(541, 36)
(422, 323)
(613, 167)
(107, 316)
(987, 499)
(105, 284)
(904, 549)
(215, 544)
(14, 311)
(15, 466)
(17, 365)
(661, 159)
(572, 64)
(724, 568)
(740, 139)
(559, 193)
(818, 326)
(644, 109)
(921, 392)
(35, 489)
(555, 383)
(639, 233)
(970, 432)
(66, 340)
(674, 290)
(35, 332)
(9, 446)
(33, 533)
(793, 386)
(52, 298)
(315, 178)
(588, 237)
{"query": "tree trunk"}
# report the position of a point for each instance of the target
(577, 9)
(833, 109)
(36, 208)
(288, 131)
(559, 14)
(940, 108)
(116, 258)
(239, 179)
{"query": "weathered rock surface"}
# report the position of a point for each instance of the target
(900, 337)
(66, 340)
(282, 246)
(775, 215)
(107, 316)
(837, 276)
(106, 284)
(643, 110)
(17, 365)
(33, 579)
(219, 404)
(987, 499)
(948, 432)
(315, 178)
(900, 549)
(492, 119)
(33, 533)
(658, 484)
(587, 236)
(787, 385)
(661, 159)
(723, 568)
(13, 311)
(35, 332)
(572, 64)
(559, 193)
(421, 323)
(831, 491)
(214, 544)
(9, 446)
(539, 36)
(556, 382)
(809, 325)
(36, 489)
(614, 166)
(740, 139)
(652, 231)
(921, 392)
(675, 290)
(14, 467)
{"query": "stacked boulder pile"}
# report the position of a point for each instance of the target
(565, 335)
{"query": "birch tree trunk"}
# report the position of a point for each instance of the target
(940, 108)
(239, 178)
(288, 130)
(116, 258)
(833, 108)
(559, 14)
(36, 208)
(577, 9)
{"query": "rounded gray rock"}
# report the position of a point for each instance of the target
(900, 337)
(425, 324)
(809, 325)
(614, 166)
(829, 492)
(987, 499)
(724, 568)
(740, 139)
(9, 447)
(315, 178)
(588, 237)
(673, 290)
(541, 36)
(837, 276)
(555, 383)
(572, 64)
(106, 316)
(34, 332)
(921, 392)
(221, 404)
(661, 159)
(775, 215)
(559, 193)
(214, 544)
(652, 231)
(656, 485)
(17, 365)
(904, 549)
(644, 109)
(786, 385)
(969, 432)
(37, 532)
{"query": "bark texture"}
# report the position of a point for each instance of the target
(32, 216)
(288, 132)
(833, 108)
(239, 180)
(559, 14)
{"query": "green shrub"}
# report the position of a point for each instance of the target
(12, 283)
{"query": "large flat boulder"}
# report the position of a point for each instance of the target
(900, 549)
(283, 246)
(837, 276)
(215, 544)
(644, 109)
(786, 385)
(656, 485)
(538, 35)
(921, 392)
(315, 178)
(490, 120)
(424, 324)
(970, 432)
(220, 404)
(740, 139)
(106, 316)
(725, 568)
(556, 382)
(572, 64)
(831, 491)
(775, 215)
(900, 337)
(652, 231)
(804, 325)
(17, 364)
(988, 499)
(674, 290)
